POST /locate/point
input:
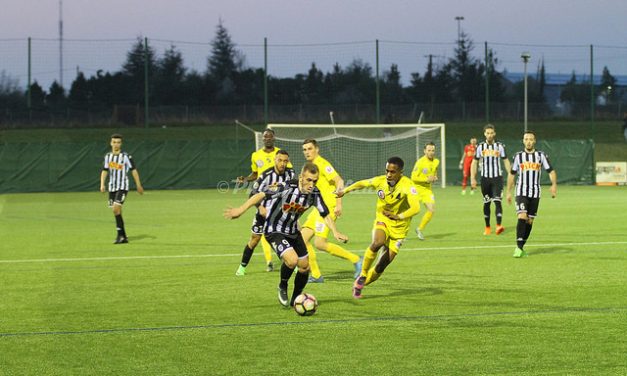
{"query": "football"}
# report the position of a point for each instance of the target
(305, 304)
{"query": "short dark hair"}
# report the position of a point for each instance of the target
(310, 141)
(116, 135)
(397, 161)
(282, 152)
(269, 130)
(429, 143)
(488, 126)
(310, 167)
(530, 132)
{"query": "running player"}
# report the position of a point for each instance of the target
(397, 203)
(117, 164)
(288, 203)
(490, 154)
(262, 160)
(528, 165)
(268, 179)
(464, 164)
(424, 174)
(314, 226)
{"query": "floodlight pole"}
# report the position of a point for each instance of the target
(459, 19)
(525, 57)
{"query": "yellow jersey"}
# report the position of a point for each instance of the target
(261, 161)
(326, 184)
(402, 198)
(424, 168)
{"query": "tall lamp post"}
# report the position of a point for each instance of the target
(525, 56)
(459, 19)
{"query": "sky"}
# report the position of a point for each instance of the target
(560, 31)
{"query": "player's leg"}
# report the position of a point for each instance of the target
(117, 202)
(247, 254)
(300, 281)
(532, 211)
(426, 197)
(497, 195)
(289, 259)
(465, 176)
(522, 204)
(486, 191)
(467, 166)
(307, 233)
(393, 244)
(379, 238)
(267, 254)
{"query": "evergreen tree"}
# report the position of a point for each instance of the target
(608, 86)
(134, 70)
(56, 96)
(223, 62)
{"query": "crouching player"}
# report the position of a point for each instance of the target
(287, 203)
(397, 203)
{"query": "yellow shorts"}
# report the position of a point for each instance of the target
(315, 222)
(394, 236)
(426, 195)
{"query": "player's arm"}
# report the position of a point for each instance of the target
(414, 207)
(103, 179)
(553, 177)
(338, 235)
(138, 183)
(461, 161)
(511, 176)
(251, 177)
(361, 184)
(233, 213)
(339, 186)
(417, 176)
(508, 165)
(473, 173)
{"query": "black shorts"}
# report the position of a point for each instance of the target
(259, 222)
(492, 189)
(527, 205)
(117, 197)
(281, 243)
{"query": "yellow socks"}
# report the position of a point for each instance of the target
(338, 251)
(267, 249)
(313, 262)
(369, 258)
(372, 276)
(425, 219)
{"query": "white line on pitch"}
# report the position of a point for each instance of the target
(113, 258)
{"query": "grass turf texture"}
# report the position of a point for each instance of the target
(169, 302)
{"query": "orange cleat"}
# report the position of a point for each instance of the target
(487, 231)
(499, 229)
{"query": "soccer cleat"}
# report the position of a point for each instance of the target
(358, 286)
(487, 231)
(499, 229)
(472, 192)
(315, 280)
(358, 265)
(518, 253)
(120, 240)
(283, 299)
(463, 192)
(270, 267)
(419, 234)
(241, 271)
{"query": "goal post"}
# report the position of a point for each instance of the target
(359, 151)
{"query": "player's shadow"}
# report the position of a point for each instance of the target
(440, 236)
(142, 237)
(543, 251)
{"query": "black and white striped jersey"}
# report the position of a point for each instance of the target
(118, 166)
(489, 157)
(270, 180)
(529, 166)
(286, 206)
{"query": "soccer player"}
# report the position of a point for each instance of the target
(270, 178)
(287, 203)
(464, 164)
(528, 164)
(397, 203)
(117, 164)
(262, 160)
(489, 153)
(426, 172)
(314, 226)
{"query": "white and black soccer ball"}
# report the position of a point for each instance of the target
(305, 304)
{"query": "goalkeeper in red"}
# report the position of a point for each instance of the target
(397, 203)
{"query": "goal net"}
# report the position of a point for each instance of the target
(360, 151)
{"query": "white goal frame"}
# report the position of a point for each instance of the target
(334, 127)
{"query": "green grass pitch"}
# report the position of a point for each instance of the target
(168, 303)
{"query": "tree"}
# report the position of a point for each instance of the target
(37, 95)
(223, 62)
(168, 85)
(392, 89)
(56, 96)
(467, 72)
(134, 70)
(608, 86)
(79, 92)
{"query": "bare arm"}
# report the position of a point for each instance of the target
(553, 177)
(233, 213)
(251, 177)
(510, 185)
(473, 173)
(508, 166)
(339, 186)
(338, 235)
(103, 179)
(138, 183)
(361, 184)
